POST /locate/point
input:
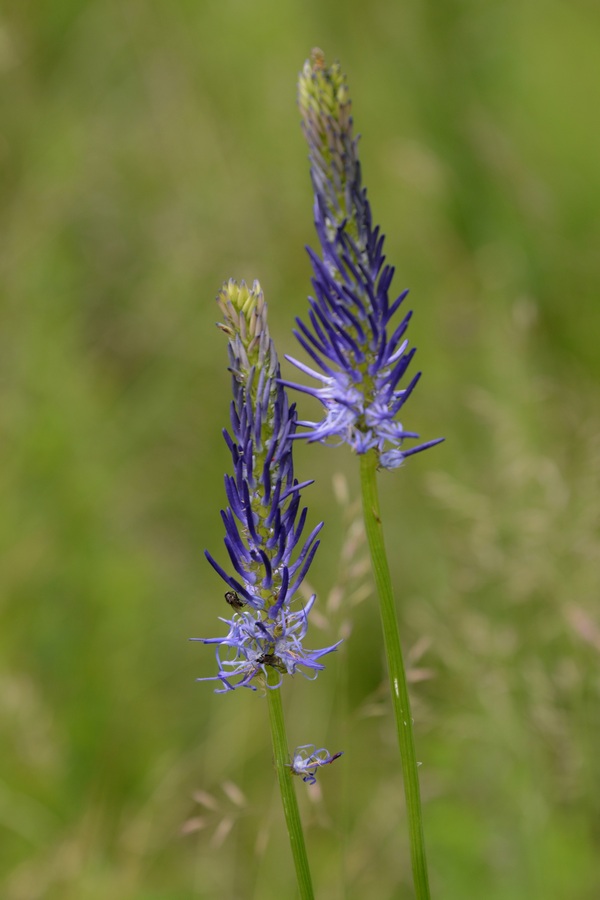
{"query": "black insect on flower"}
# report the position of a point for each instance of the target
(269, 659)
(234, 600)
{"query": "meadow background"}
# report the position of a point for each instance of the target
(149, 151)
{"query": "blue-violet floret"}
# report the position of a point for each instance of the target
(307, 759)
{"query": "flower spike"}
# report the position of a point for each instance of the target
(351, 313)
(263, 523)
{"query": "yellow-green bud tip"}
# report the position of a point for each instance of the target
(245, 322)
(322, 88)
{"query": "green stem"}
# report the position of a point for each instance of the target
(288, 792)
(399, 688)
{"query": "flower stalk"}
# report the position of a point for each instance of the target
(396, 670)
(288, 793)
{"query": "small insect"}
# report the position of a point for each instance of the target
(234, 600)
(270, 659)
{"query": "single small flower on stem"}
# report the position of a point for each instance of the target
(307, 759)
(264, 526)
(353, 337)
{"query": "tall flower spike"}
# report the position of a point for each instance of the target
(360, 354)
(263, 525)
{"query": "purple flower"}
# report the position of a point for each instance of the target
(264, 527)
(359, 351)
(307, 759)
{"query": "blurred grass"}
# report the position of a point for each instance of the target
(148, 152)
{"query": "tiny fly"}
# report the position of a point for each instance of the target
(270, 659)
(234, 600)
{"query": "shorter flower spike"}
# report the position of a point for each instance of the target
(307, 759)
(360, 353)
(263, 524)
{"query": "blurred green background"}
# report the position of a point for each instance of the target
(148, 151)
